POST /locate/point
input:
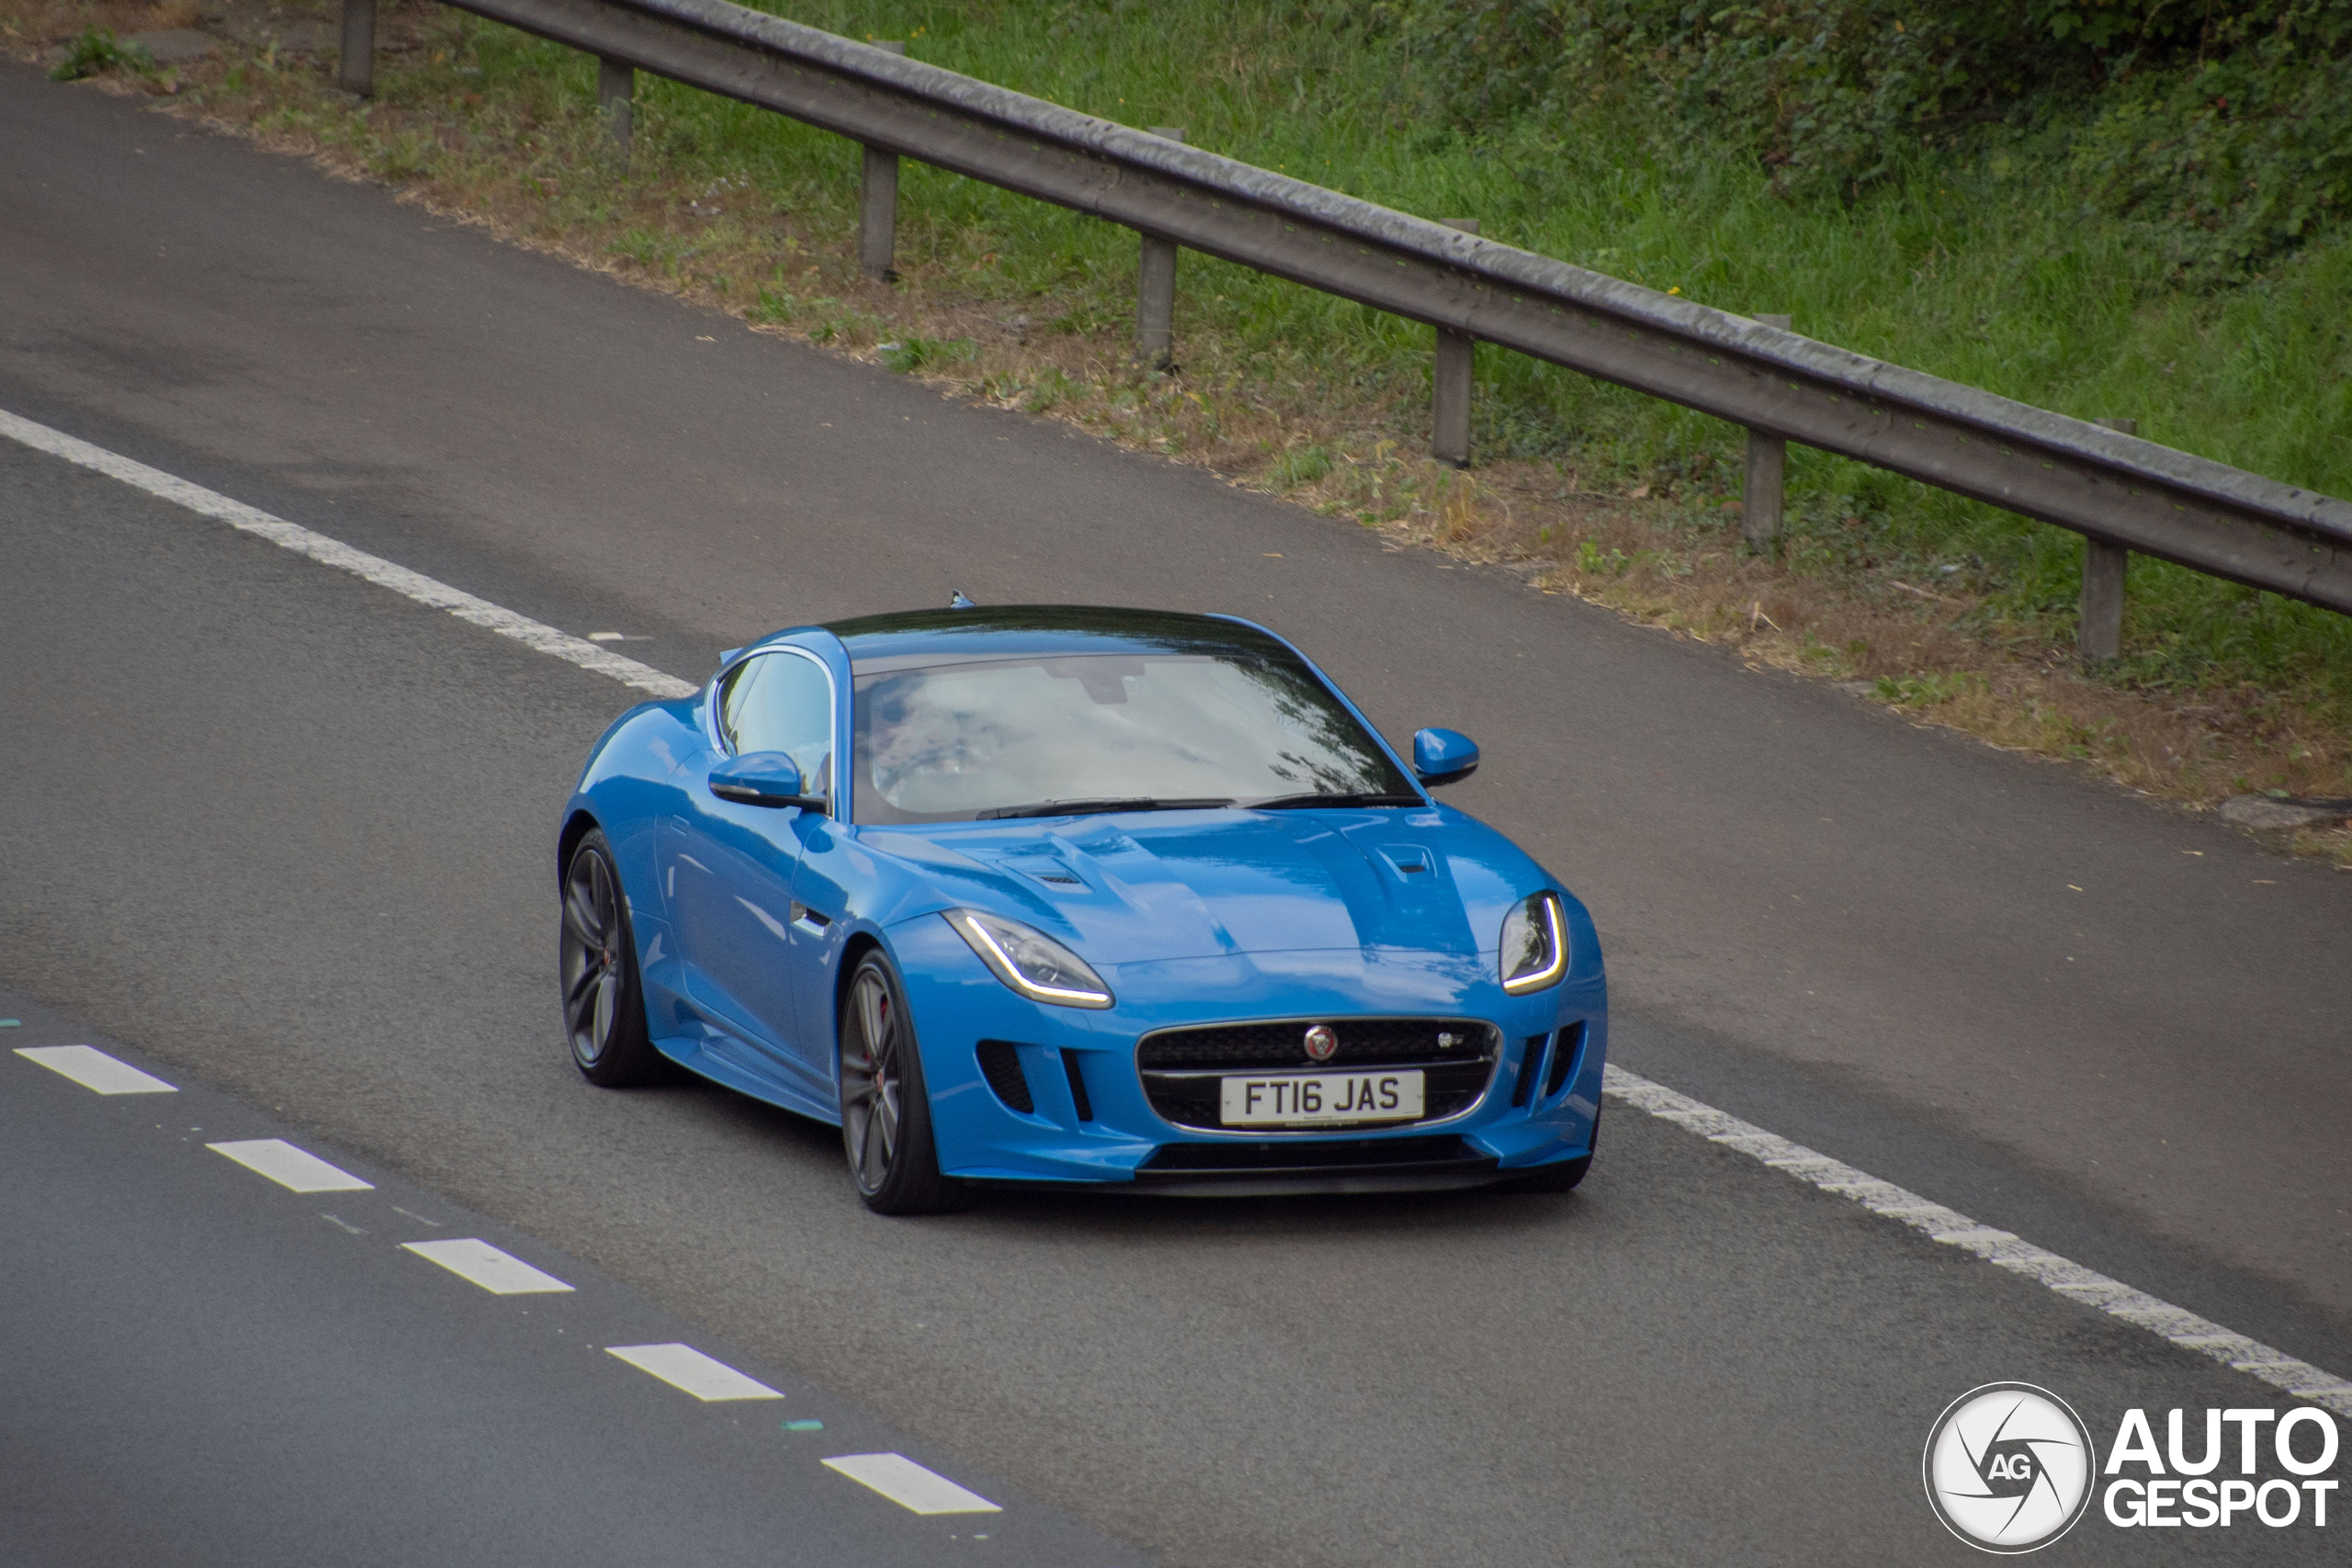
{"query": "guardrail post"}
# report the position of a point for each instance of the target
(877, 206)
(1156, 288)
(1450, 383)
(357, 73)
(616, 89)
(1765, 488)
(2099, 632)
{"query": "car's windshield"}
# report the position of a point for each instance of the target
(950, 742)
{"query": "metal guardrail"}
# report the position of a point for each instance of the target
(2110, 487)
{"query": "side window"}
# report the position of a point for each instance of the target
(782, 702)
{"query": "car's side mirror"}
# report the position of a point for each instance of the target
(1443, 756)
(762, 778)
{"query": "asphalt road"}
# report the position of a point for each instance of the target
(203, 1365)
(288, 833)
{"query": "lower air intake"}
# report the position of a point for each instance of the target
(1354, 1165)
(1566, 1051)
(1000, 1064)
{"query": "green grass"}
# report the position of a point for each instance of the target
(1980, 265)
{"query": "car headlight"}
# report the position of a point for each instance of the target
(1029, 960)
(1534, 944)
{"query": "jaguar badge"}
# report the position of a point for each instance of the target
(1321, 1043)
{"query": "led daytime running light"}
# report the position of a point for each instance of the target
(983, 942)
(1544, 906)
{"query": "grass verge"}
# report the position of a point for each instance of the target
(1948, 612)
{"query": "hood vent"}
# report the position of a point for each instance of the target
(1051, 870)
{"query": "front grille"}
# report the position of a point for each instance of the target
(1181, 1066)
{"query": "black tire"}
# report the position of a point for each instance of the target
(886, 1110)
(604, 1002)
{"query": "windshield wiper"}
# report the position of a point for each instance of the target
(1089, 807)
(1286, 802)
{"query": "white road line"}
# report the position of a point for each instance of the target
(500, 1273)
(2068, 1279)
(297, 1170)
(93, 1069)
(910, 1485)
(331, 552)
(1999, 1247)
(683, 1366)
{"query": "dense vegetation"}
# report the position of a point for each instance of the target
(2098, 206)
(2107, 207)
(2222, 133)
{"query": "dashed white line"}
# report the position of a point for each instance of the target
(2068, 1279)
(500, 1273)
(297, 1170)
(910, 1485)
(682, 1366)
(93, 1069)
(334, 553)
(1999, 1247)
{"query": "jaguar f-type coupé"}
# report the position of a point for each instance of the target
(1051, 896)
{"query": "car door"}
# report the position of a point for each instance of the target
(731, 865)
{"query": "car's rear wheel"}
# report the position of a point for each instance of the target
(603, 1003)
(886, 1110)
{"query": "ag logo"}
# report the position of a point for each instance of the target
(1322, 1044)
(2008, 1466)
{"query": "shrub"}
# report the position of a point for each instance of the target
(99, 49)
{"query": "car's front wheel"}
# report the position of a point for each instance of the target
(603, 1003)
(886, 1111)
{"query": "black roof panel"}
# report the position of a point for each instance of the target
(909, 636)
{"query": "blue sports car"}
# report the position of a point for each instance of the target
(1055, 896)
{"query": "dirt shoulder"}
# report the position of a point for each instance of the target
(519, 151)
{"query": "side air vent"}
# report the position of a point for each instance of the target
(1566, 1050)
(1530, 1065)
(1078, 1085)
(1000, 1064)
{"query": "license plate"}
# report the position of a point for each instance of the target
(1303, 1100)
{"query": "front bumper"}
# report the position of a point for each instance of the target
(1090, 1122)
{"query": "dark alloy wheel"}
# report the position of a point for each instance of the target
(886, 1111)
(604, 1006)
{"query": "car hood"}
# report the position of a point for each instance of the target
(1139, 886)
